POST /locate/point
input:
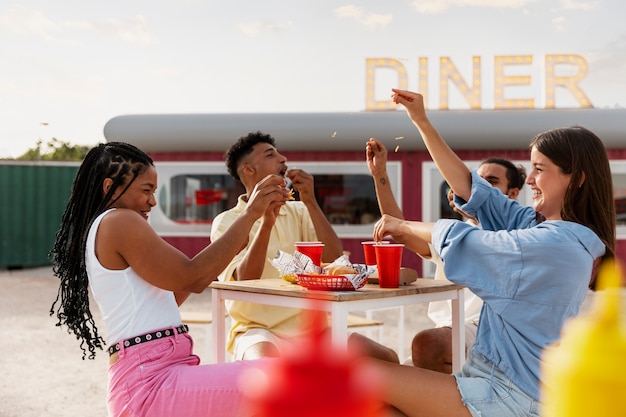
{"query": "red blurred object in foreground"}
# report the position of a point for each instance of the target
(313, 380)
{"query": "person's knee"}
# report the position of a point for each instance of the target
(432, 349)
(261, 350)
(363, 346)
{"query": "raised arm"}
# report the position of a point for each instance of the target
(376, 158)
(454, 171)
(165, 266)
(303, 183)
(252, 264)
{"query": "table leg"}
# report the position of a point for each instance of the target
(218, 311)
(339, 326)
(458, 331)
(401, 335)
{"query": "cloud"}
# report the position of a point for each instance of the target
(611, 58)
(370, 20)
(262, 26)
(431, 6)
(20, 20)
(559, 23)
(133, 30)
(440, 6)
(578, 5)
(607, 66)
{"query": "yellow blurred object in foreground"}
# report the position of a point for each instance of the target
(585, 374)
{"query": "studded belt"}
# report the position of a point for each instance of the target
(159, 334)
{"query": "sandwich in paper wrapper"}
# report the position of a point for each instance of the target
(290, 266)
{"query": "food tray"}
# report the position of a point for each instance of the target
(326, 282)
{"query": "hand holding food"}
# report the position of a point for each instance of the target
(266, 194)
(302, 183)
(289, 187)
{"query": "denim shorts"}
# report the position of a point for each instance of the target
(487, 392)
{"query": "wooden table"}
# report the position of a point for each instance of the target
(338, 303)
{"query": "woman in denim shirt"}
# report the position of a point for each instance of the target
(531, 267)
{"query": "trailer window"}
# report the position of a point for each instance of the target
(191, 194)
(619, 192)
(348, 199)
(198, 198)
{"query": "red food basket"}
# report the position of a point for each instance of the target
(326, 282)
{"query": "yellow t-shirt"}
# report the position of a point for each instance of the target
(293, 224)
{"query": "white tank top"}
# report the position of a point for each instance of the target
(130, 306)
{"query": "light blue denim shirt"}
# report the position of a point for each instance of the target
(531, 276)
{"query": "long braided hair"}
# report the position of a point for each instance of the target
(122, 163)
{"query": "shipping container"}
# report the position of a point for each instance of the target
(33, 196)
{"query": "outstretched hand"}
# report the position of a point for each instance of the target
(414, 235)
(389, 226)
(376, 157)
(413, 102)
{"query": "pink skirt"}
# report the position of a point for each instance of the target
(164, 378)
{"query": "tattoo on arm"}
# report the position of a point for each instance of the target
(383, 181)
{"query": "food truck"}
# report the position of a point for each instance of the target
(194, 186)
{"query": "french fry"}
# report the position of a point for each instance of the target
(291, 278)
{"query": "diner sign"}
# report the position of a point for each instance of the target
(561, 71)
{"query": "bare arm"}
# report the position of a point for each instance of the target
(415, 235)
(303, 183)
(181, 296)
(376, 157)
(166, 267)
(253, 263)
(449, 164)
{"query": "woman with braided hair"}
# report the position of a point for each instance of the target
(105, 245)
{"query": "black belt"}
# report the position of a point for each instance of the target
(160, 334)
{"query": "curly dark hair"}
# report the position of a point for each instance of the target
(243, 147)
(122, 163)
(515, 175)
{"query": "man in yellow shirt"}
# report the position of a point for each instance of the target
(260, 330)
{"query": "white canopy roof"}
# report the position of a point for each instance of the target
(471, 129)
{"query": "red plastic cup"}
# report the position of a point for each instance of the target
(311, 249)
(369, 252)
(389, 260)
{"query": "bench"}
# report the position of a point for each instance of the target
(205, 319)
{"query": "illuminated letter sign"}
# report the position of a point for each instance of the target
(575, 68)
(448, 71)
(501, 80)
(370, 97)
(570, 83)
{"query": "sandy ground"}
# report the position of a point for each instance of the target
(42, 371)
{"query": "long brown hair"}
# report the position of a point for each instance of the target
(589, 197)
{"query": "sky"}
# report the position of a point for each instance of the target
(69, 66)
